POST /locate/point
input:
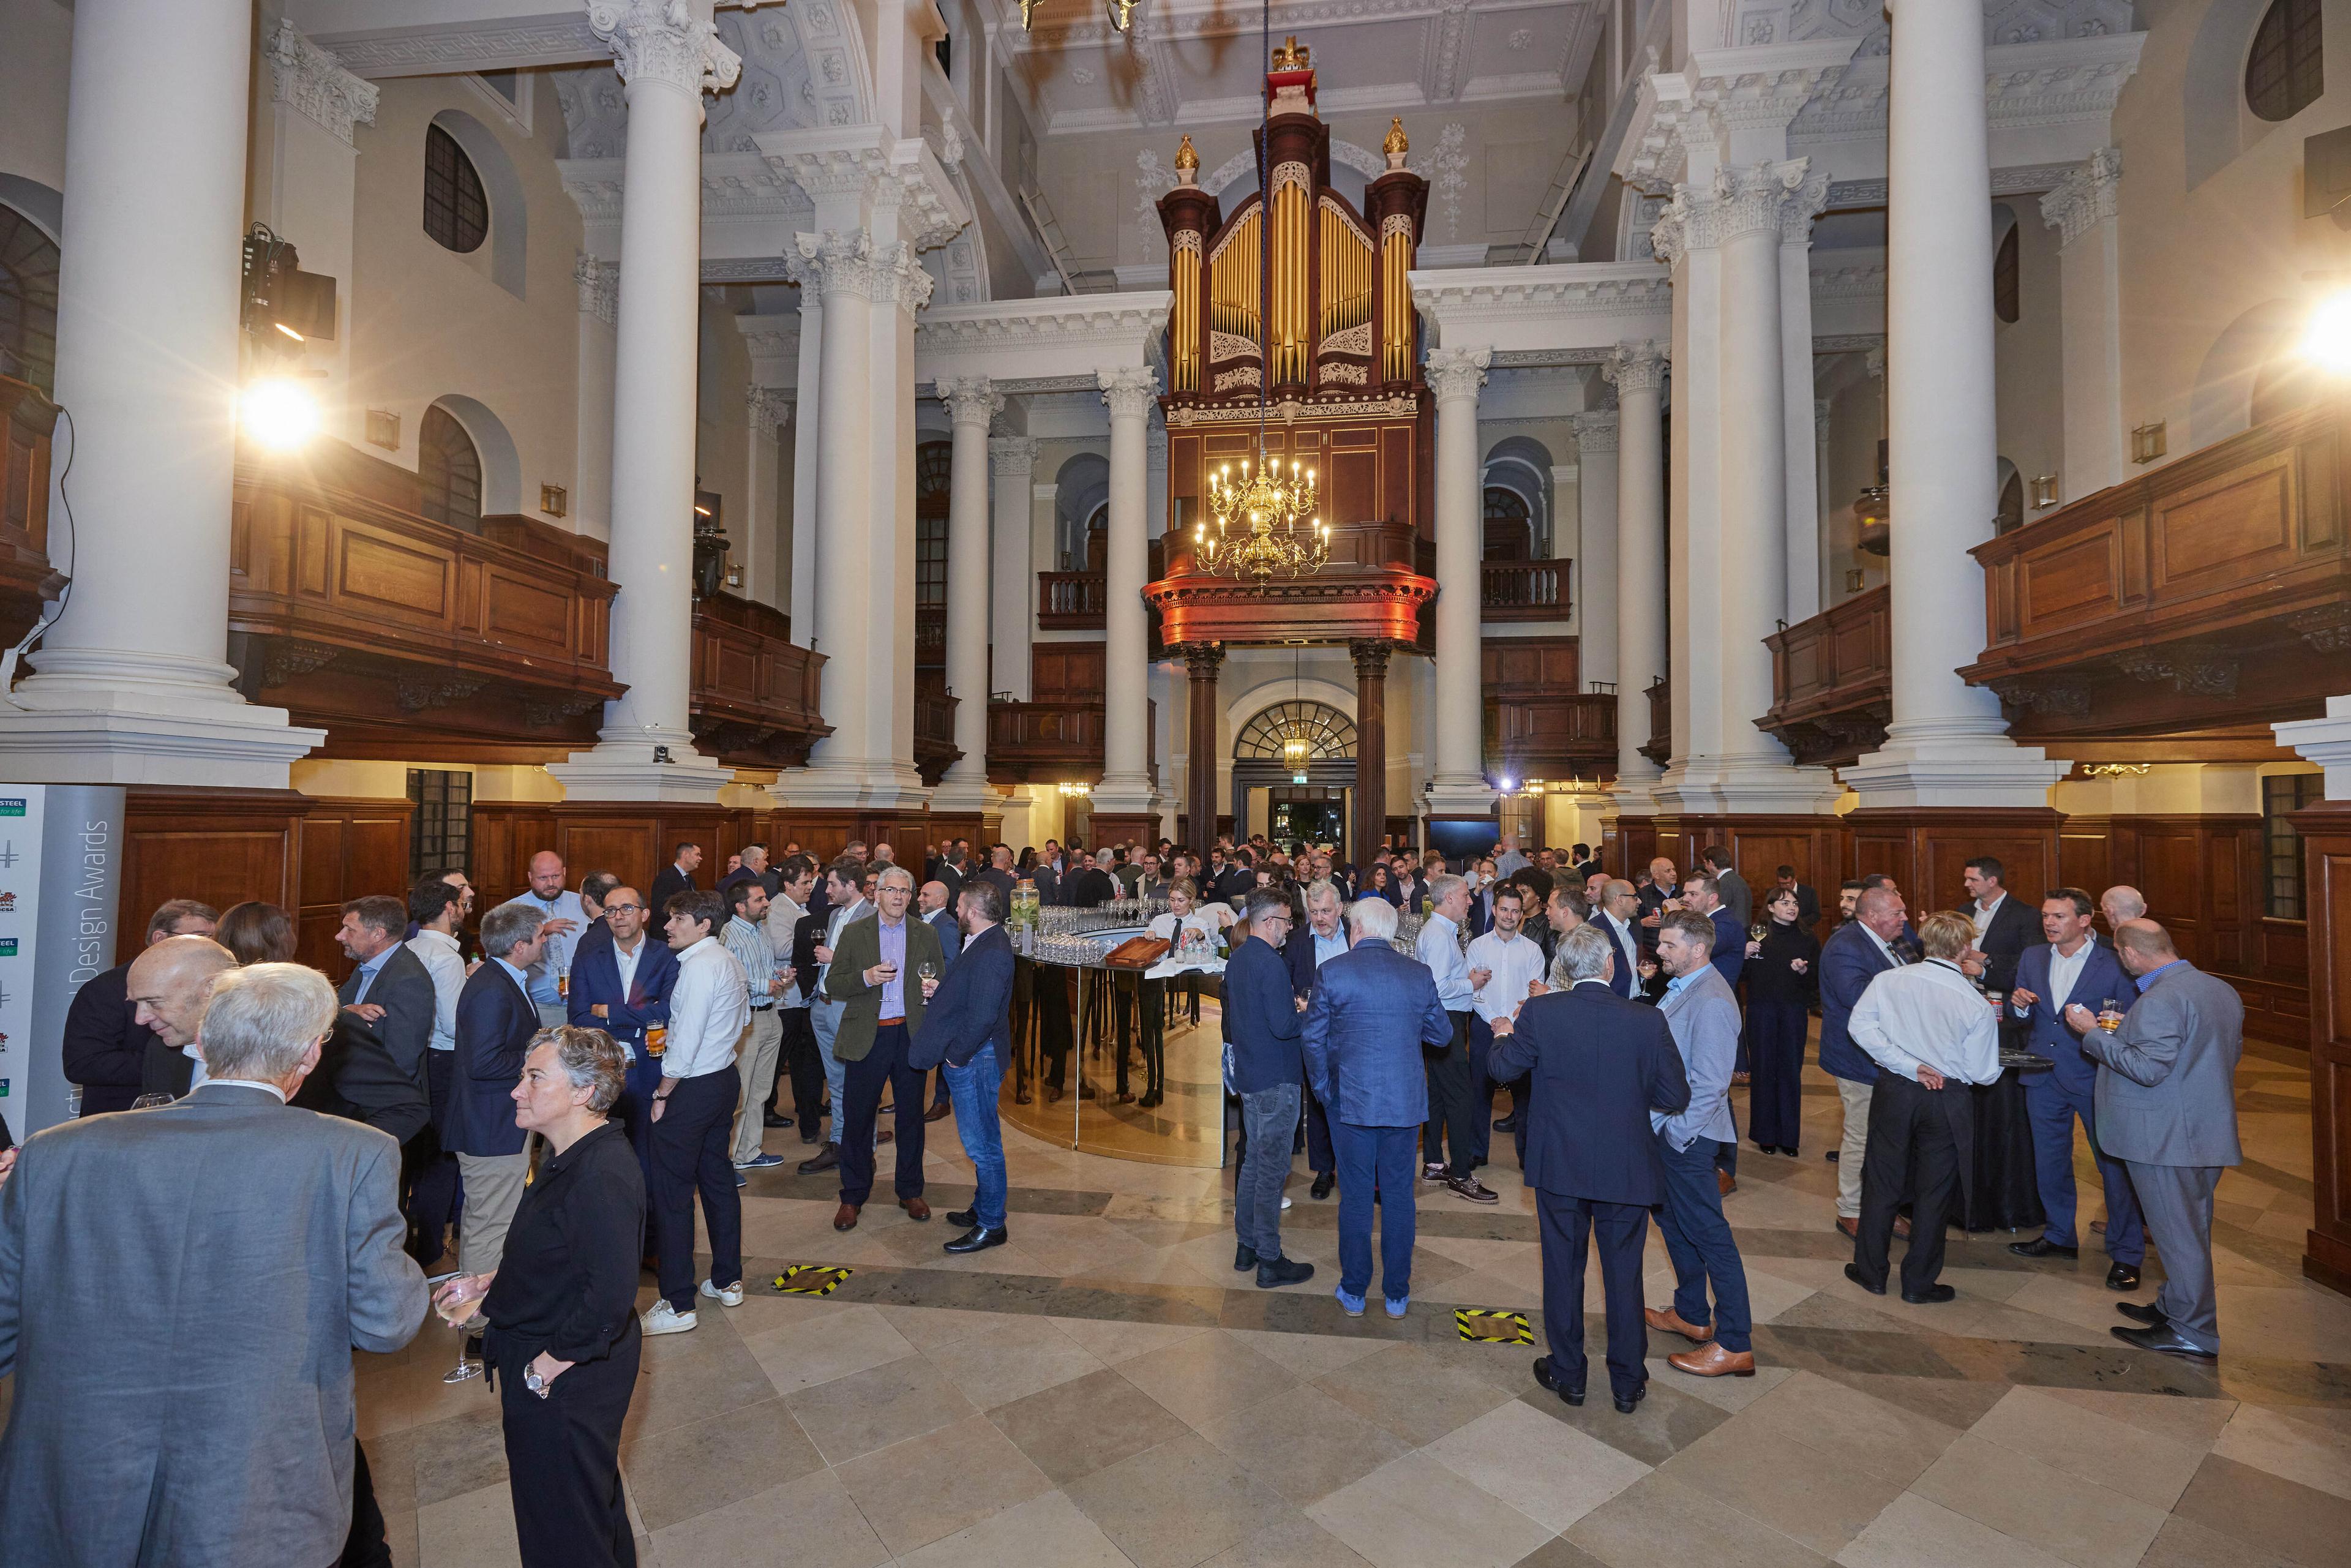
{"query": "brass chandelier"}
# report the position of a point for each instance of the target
(1265, 525)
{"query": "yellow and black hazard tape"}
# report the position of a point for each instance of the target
(1479, 1323)
(811, 1279)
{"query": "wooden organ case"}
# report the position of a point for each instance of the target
(1292, 338)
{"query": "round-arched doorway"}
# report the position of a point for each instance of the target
(1301, 753)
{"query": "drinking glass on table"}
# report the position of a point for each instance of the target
(455, 1303)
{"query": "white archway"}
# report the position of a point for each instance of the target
(2223, 400)
(501, 465)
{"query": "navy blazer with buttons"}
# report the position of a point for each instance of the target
(1729, 953)
(495, 1022)
(1598, 1064)
(943, 921)
(1850, 959)
(2052, 1037)
(595, 978)
(972, 1008)
(1261, 1018)
(1372, 1011)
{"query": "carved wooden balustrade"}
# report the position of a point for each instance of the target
(1832, 682)
(755, 690)
(1525, 589)
(1540, 723)
(1070, 600)
(1659, 748)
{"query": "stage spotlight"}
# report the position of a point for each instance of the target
(2326, 336)
(278, 412)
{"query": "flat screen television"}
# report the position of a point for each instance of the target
(1460, 842)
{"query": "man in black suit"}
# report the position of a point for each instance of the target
(752, 867)
(1599, 1065)
(1663, 886)
(676, 877)
(168, 987)
(1092, 885)
(1808, 900)
(105, 1050)
(2005, 926)
(966, 1031)
(372, 1068)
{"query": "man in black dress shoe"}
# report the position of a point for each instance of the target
(966, 1031)
(1597, 1065)
(1931, 1034)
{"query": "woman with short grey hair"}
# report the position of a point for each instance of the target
(561, 1306)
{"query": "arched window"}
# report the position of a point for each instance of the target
(2285, 71)
(1328, 734)
(456, 212)
(449, 472)
(1510, 528)
(28, 301)
(933, 460)
(2006, 301)
(2010, 516)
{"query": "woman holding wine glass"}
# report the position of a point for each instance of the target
(563, 1340)
(1782, 979)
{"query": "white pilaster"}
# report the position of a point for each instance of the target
(2089, 273)
(807, 455)
(2325, 741)
(599, 287)
(668, 57)
(1595, 550)
(1639, 372)
(1459, 788)
(971, 401)
(765, 409)
(132, 686)
(1013, 578)
(1802, 511)
(1127, 785)
(1947, 745)
(312, 194)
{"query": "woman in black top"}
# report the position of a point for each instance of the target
(1783, 981)
(563, 1339)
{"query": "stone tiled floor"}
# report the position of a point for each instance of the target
(1106, 1391)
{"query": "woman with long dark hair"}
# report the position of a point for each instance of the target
(1782, 979)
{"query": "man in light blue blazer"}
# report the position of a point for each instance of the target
(1704, 1018)
(2072, 968)
(2166, 1108)
(1373, 1012)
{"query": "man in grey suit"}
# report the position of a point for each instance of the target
(1704, 1018)
(208, 1422)
(2166, 1107)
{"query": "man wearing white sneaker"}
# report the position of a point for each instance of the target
(693, 1116)
(746, 937)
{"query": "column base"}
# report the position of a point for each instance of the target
(616, 771)
(884, 785)
(1933, 767)
(1744, 786)
(1128, 797)
(961, 796)
(1460, 797)
(2325, 741)
(193, 733)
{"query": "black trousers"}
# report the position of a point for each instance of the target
(806, 1070)
(1320, 1157)
(1621, 1229)
(882, 1067)
(1918, 1138)
(1775, 1106)
(692, 1151)
(563, 1456)
(1448, 1138)
(429, 1173)
(367, 1546)
(1053, 1021)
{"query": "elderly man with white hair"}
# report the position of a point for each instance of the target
(284, 1236)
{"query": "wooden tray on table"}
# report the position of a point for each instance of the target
(1136, 953)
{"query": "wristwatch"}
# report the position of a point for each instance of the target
(534, 1381)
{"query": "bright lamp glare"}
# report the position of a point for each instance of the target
(2327, 339)
(279, 414)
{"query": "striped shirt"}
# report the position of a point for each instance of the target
(748, 942)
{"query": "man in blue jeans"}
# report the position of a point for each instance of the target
(968, 1026)
(1373, 1012)
(1261, 1017)
(1703, 1015)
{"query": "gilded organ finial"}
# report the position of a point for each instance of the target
(1395, 146)
(1187, 163)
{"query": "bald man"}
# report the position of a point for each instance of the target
(167, 989)
(562, 920)
(2119, 903)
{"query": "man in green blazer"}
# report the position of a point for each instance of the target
(878, 968)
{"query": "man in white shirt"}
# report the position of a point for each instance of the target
(563, 918)
(1452, 1108)
(430, 1178)
(841, 880)
(746, 936)
(694, 1116)
(1932, 1035)
(1513, 966)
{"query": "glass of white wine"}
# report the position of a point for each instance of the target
(455, 1307)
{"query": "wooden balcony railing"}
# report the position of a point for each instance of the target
(1052, 741)
(25, 567)
(1832, 682)
(1525, 589)
(340, 597)
(1659, 748)
(1070, 600)
(2213, 592)
(1571, 733)
(755, 690)
(935, 738)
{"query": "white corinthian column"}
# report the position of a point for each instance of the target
(668, 57)
(1126, 783)
(1459, 788)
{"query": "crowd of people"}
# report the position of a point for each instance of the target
(517, 1115)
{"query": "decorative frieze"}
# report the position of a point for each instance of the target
(315, 82)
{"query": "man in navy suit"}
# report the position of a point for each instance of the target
(2072, 968)
(1265, 1068)
(1703, 895)
(2004, 928)
(1617, 917)
(1853, 955)
(496, 1023)
(937, 906)
(624, 1005)
(967, 1032)
(1599, 1065)
(1321, 938)
(1373, 1012)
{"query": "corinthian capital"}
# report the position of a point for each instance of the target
(664, 41)
(838, 261)
(1595, 430)
(1637, 368)
(1755, 199)
(970, 399)
(1457, 372)
(2085, 197)
(1130, 391)
(1012, 454)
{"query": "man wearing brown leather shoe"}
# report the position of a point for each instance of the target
(1713, 1361)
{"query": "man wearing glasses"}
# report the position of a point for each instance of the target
(1266, 1070)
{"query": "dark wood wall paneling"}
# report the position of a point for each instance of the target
(2326, 899)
